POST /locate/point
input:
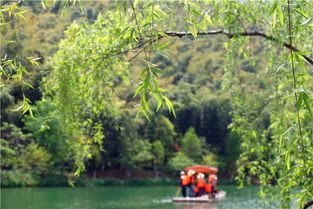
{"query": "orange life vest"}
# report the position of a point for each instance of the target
(196, 190)
(200, 182)
(209, 188)
(191, 179)
(183, 180)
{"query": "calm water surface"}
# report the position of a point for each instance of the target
(122, 197)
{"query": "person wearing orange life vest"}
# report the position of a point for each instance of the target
(200, 186)
(212, 183)
(212, 178)
(209, 188)
(183, 183)
(191, 181)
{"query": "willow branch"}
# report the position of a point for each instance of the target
(231, 35)
(151, 40)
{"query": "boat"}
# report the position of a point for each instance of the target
(204, 198)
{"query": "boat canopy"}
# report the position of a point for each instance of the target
(202, 169)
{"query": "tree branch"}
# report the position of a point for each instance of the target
(231, 35)
(151, 40)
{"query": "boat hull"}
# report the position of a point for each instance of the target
(204, 198)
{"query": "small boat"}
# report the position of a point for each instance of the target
(204, 198)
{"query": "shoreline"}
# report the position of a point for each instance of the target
(83, 181)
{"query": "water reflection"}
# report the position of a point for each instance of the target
(209, 205)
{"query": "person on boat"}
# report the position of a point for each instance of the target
(200, 186)
(213, 178)
(191, 181)
(212, 185)
(183, 183)
(209, 189)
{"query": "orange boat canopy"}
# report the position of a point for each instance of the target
(202, 169)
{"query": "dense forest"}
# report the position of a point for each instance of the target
(230, 96)
(197, 135)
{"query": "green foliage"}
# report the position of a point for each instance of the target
(48, 130)
(17, 178)
(158, 152)
(192, 145)
(273, 132)
(232, 152)
(210, 159)
(179, 162)
(70, 82)
(56, 181)
(22, 159)
(164, 131)
(140, 153)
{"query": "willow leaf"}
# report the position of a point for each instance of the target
(306, 22)
(273, 8)
(306, 100)
(164, 45)
(169, 105)
(280, 15)
(300, 99)
(301, 12)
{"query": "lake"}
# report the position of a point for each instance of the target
(123, 197)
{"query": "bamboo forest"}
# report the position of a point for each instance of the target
(175, 104)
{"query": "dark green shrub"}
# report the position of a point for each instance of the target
(53, 181)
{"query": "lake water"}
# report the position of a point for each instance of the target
(123, 197)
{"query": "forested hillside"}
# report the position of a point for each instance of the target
(193, 75)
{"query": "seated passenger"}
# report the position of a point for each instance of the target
(200, 184)
(212, 185)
